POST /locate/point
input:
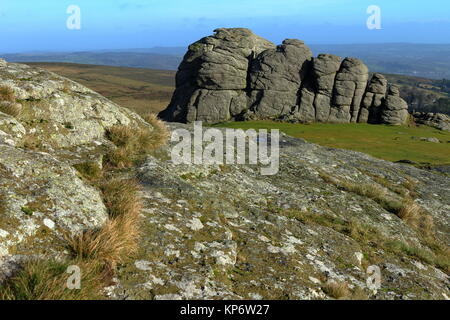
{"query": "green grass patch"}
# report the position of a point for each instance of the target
(390, 143)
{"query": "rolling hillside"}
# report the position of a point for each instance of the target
(142, 90)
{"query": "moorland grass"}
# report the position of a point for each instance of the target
(141, 90)
(47, 280)
(392, 143)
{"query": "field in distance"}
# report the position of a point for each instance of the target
(384, 142)
(142, 90)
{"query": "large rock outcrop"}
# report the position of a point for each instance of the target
(235, 75)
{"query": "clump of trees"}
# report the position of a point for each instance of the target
(427, 101)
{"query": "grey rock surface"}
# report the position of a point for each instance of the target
(283, 82)
(325, 68)
(395, 109)
(374, 100)
(436, 120)
(349, 88)
(216, 63)
(58, 112)
(226, 232)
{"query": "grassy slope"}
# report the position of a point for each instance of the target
(142, 90)
(384, 142)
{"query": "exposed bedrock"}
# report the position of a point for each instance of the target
(237, 75)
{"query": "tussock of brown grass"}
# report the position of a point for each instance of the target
(415, 216)
(161, 133)
(411, 186)
(2, 204)
(12, 108)
(119, 158)
(111, 244)
(121, 197)
(7, 94)
(118, 238)
(47, 280)
(122, 136)
(89, 170)
(337, 290)
(134, 143)
(368, 190)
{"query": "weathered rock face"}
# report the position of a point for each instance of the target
(40, 199)
(238, 75)
(349, 87)
(395, 109)
(213, 76)
(324, 70)
(276, 76)
(373, 100)
(226, 232)
(57, 112)
(436, 120)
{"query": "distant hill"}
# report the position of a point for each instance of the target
(118, 58)
(420, 60)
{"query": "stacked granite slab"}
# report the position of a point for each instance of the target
(237, 75)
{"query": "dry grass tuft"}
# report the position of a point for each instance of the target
(119, 158)
(2, 204)
(415, 216)
(118, 238)
(122, 136)
(121, 197)
(47, 280)
(372, 191)
(337, 290)
(112, 244)
(7, 94)
(12, 108)
(411, 186)
(161, 133)
(134, 143)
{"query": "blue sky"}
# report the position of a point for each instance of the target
(30, 25)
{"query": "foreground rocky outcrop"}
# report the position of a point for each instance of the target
(219, 231)
(235, 74)
(55, 124)
(226, 232)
